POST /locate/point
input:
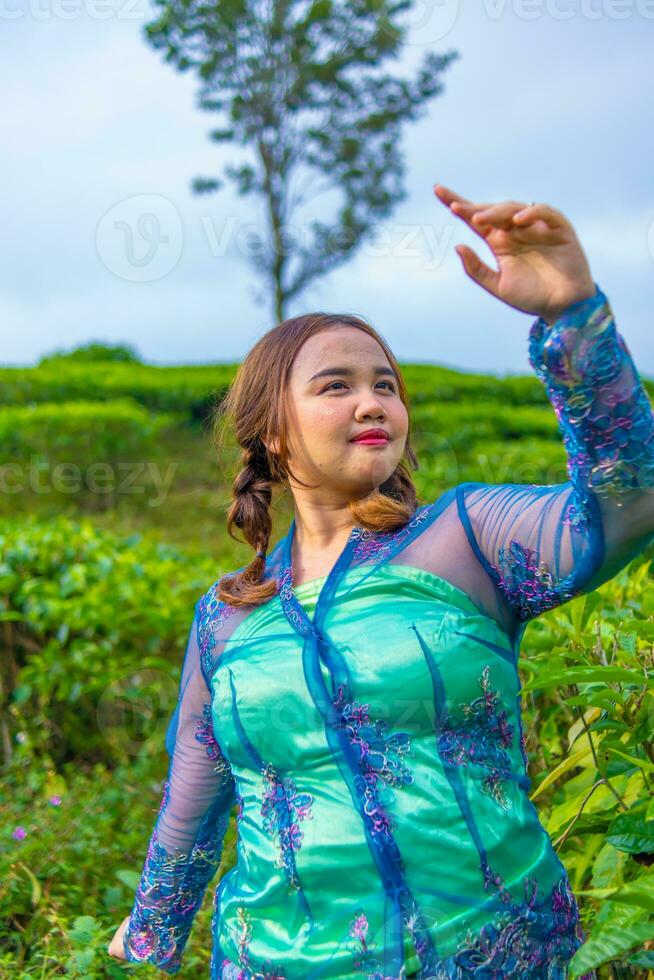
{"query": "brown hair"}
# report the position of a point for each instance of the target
(256, 405)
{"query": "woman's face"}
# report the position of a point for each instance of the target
(325, 413)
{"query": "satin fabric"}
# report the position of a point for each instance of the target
(434, 656)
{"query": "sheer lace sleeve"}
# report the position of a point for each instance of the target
(186, 844)
(542, 545)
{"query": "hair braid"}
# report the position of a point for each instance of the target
(250, 513)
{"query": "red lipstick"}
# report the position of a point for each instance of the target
(372, 437)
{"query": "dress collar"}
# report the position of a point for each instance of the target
(293, 609)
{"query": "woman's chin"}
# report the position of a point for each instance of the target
(368, 480)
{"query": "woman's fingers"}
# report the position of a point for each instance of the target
(115, 947)
(447, 196)
(532, 212)
(509, 214)
(478, 270)
(526, 225)
(460, 207)
(504, 213)
(499, 215)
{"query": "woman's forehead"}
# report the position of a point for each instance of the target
(340, 346)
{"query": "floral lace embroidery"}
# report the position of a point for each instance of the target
(165, 793)
(601, 405)
(525, 940)
(529, 936)
(578, 514)
(381, 765)
(375, 546)
(239, 805)
(205, 734)
(173, 883)
(480, 739)
(380, 758)
(528, 584)
(523, 745)
(361, 944)
(607, 424)
(212, 614)
(244, 970)
(289, 601)
(169, 893)
(282, 809)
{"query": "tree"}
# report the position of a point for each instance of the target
(300, 84)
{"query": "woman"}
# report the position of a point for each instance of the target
(355, 691)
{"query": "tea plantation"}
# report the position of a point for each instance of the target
(112, 524)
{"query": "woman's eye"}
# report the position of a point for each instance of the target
(389, 383)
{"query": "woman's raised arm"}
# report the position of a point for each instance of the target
(545, 544)
(542, 545)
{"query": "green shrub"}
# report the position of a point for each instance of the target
(94, 628)
(190, 391)
(94, 351)
(93, 450)
(69, 881)
(589, 715)
(93, 634)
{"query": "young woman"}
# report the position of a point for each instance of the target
(354, 691)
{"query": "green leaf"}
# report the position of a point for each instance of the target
(129, 878)
(579, 758)
(22, 693)
(608, 867)
(611, 943)
(36, 884)
(112, 897)
(628, 642)
(644, 629)
(584, 675)
(634, 760)
(644, 959)
(631, 832)
(639, 892)
(83, 929)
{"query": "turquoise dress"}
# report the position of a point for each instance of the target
(365, 727)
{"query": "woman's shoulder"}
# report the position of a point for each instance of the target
(209, 603)
(211, 608)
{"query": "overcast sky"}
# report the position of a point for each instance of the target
(549, 100)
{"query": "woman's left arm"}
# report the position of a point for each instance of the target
(542, 545)
(607, 424)
(186, 843)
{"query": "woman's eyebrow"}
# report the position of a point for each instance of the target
(348, 372)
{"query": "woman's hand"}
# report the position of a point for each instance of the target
(542, 266)
(115, 947)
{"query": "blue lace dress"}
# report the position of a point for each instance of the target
(365, 727)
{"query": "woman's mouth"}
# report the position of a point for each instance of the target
(378, 438)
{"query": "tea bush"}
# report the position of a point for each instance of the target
(94, 620)
(85, 449)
